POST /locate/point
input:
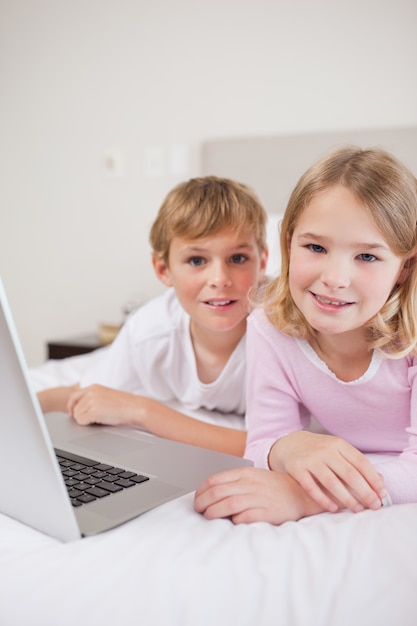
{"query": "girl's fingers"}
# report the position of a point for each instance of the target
(316, 492)
(367, 483)
(340, 486)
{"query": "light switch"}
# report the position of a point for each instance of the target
(113, 163)
(154, 162)
(179, 160)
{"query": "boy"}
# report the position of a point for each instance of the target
(186, 346)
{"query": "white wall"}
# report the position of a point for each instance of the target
(83, 79)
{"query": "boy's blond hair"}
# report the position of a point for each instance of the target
(202, 207)
(388, 191)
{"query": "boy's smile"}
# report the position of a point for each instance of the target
(341, 270)
(213, 276)
(221, 303)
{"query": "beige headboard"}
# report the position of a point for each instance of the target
(272, 165)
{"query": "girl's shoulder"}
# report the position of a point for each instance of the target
(259, 323)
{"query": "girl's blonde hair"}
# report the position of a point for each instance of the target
(204, 206)
(388, 191)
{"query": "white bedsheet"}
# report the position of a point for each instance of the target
(171, 567)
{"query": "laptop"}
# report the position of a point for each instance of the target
(43, 456)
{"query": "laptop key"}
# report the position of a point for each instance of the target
(78, 466)
(92, 481)
(124, 483)
(138, 478)
(89, 470)
(65, 462)
(82, 486)
(69, 472)
(86, 498)
(80, 476)
(126, 475)
(112, 487)
(71, 482)
(74, 493)
(98, 492)
(114, 471)
(100, 474)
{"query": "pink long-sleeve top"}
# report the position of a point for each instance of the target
(287, 383)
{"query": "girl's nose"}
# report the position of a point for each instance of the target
(335, 275)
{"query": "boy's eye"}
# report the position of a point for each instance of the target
(367, 257)
(238, 258)
(314, 247)
(196, 261)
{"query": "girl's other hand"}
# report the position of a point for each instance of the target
(331, 471)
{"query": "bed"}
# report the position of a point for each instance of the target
(171, 567)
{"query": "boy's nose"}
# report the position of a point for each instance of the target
(219, 276)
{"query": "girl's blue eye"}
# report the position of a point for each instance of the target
(367, 257)
(314, 247)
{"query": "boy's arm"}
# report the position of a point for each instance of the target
(55, 398)
(172, 424)
(250, 494)
(103, 405)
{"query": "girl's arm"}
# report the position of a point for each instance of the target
(103, 405)
(329, 469)
(272, 406)
(400, 472)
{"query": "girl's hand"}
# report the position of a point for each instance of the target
(330, 470)
(250, 494)
(102, 405)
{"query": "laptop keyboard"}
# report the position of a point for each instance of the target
(88, 480)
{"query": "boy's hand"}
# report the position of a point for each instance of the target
(55, 398)
(250, 494)
(102, 405)
(330, 470)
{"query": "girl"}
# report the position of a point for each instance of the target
(336, 339)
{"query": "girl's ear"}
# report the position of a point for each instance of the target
(162, 272)
(408, 265)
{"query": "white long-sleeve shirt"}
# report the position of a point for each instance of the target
(288, 382)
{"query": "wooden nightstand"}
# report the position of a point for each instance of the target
(61, 349)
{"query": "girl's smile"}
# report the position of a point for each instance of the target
(330, 304)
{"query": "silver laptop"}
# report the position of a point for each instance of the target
(43, 459)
